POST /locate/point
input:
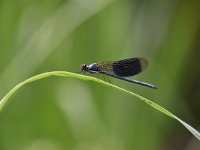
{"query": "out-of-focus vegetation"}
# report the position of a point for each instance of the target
(60, 113)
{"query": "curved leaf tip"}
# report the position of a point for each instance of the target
(83, 77)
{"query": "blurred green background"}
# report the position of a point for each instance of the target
(57, 113)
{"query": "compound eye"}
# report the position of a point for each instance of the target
(83, 67)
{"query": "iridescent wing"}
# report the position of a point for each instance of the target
(106, 66)
(124, 68)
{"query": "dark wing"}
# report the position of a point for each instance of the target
(129, 67)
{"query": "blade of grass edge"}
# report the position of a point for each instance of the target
(83, 77)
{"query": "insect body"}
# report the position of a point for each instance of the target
(120, 69)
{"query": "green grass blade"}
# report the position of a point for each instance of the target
(82, 77)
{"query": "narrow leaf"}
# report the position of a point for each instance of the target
(82, 77)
